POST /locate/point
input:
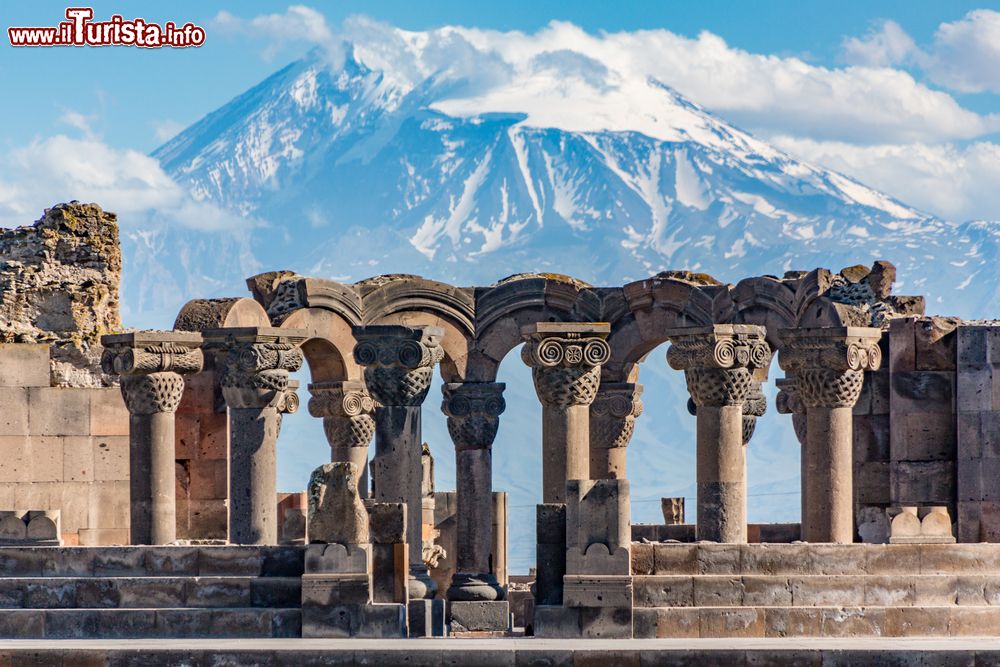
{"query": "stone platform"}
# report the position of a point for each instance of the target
(133, 592)
(506, 652)
(828, 590)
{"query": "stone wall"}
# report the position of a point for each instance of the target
(59, 286)
(63, 448)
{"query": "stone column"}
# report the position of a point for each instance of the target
(151, 365)
(346, 410)
(474, 410)
(398, 363)
(718, 363)
(255, 363)
(565, 360)
(829, 365)
(612, 422)
(788, 402)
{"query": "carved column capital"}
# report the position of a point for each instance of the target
(254, 364)
(829, 363)
(754, 406)
(565, 360)
(613, 413)
(346, 409)
(398, 361)
(150, 365)
(473, 410)
(718, 361)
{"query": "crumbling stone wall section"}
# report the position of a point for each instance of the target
(59, 283)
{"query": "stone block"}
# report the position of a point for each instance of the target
(13, 411)
(108, 414)
(229, 561)
(973, 347)
(936, 343)
(731, 622)
(95, 537)
(642, 558)
(13, 528)
(159, 592)
(773, 559)
(275, 592)
(929, 436)
(675, 559)
(213, 439)
(935, 590)
(606, 622)
(871, 438)
(892, 558)
(15, 458)
(828, 591)
(109, 505)
(871, 482)
(426, 618)
(644, 623)
(663, 591)
(678, 623)
(479, 616)
(923, 482)
(78, 458)
(597, 591)
(974, 391)
(46, 459)
(389, 572)
(922, 392)
(45, 527)
(557, 622)
(792, 622)
(902, 345)
(59, 411)
(722, 591)
(338, 558)
(24, 365)
(22, 624)
(335, 589)
(959, 559)
(837, 558)
(387, 522)
(172, 560)
(972, 590)
(209, 479)
(853, 622)
(718, 558)
(889, 590)
(223, 592)
(111, 458)
(971, 621)
(766, 591)
(383, 621)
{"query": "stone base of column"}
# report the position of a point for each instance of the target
(426, 618)
(479, 617)
(420, 584)
(468, 587)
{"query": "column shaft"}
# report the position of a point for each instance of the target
(253, 492)
(565, 449)
(722, 498)
(828, 489)
(397, 473)
(475, 510)
(152, 479)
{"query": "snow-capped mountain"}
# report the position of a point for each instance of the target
(354, 169)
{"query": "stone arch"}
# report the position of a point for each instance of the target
(414, 301)
(202, 314)
(502, 309)
(329, 345)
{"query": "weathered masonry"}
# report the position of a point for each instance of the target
(896, 413)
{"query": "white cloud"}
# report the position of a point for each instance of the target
(964, 55)
(764, 93)
(954, 182)
(61, 168)
(298, 25)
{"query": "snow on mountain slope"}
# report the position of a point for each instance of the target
(359, 169)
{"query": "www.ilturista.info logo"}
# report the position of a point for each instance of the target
(81, 30)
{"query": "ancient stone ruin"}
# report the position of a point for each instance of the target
(134, 500)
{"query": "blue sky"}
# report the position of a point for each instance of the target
(901, 95)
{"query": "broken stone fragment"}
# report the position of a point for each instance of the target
(336, 511)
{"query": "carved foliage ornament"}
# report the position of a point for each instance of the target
(346, 412)
(473, 410)
(255, 375)
(566, 369)
(150, 373)
(829, 369)
(717, 364)
(613, 413)
(153, 393)
(398, 369)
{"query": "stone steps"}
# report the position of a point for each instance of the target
(165, 561)
(830, 621)
(706, 558)
(900, 590)
(148, 592)
(140, 623)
